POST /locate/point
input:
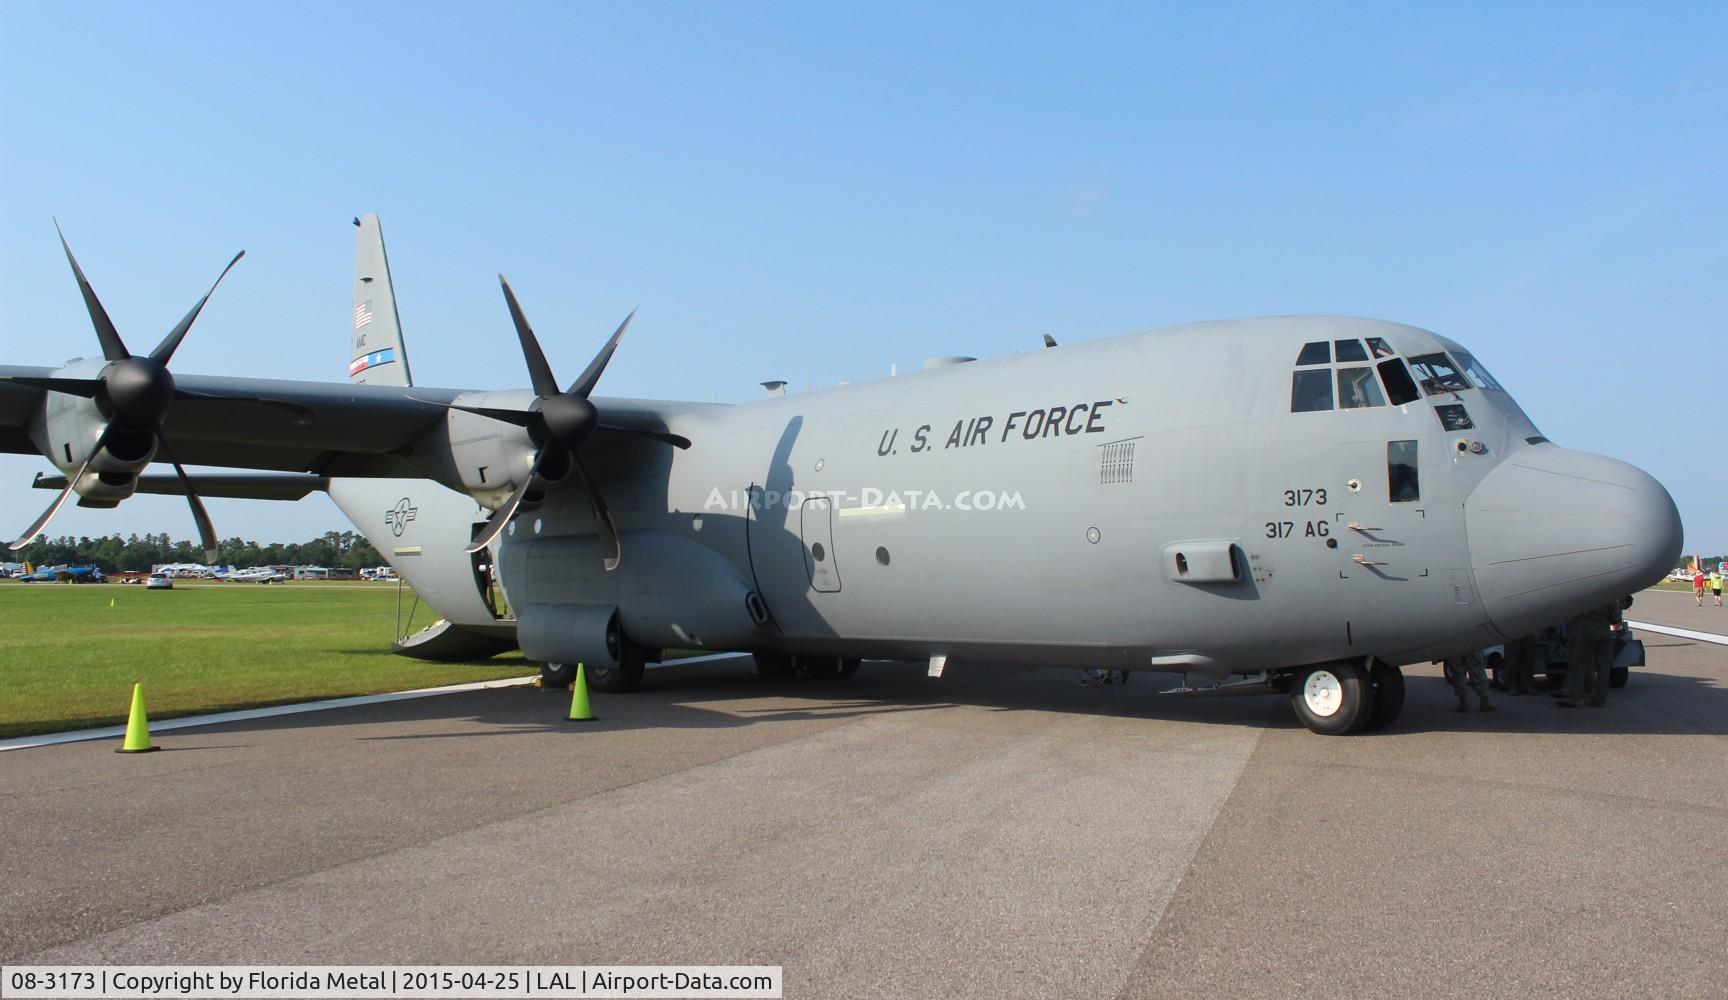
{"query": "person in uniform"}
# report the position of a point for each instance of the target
(1590, 657)
(1518, 676)
(1467, 670)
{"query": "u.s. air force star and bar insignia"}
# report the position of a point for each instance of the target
(398, 516)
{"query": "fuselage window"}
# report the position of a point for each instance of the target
(1399, 385)
(1316, 353)
(1311, 390)
(1437, 374)
(1454, 417)
(1401, 483)
(1357, 387)
(1379, 348)
(1350, 350)
(1477, 373)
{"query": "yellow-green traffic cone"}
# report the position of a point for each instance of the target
(137, 726)
(579, 698)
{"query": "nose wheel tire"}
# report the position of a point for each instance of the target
(1332, 698)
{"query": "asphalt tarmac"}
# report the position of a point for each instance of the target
(994, 833)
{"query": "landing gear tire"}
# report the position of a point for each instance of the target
(827, 666)
(557, 675)
(1618, 676)
(1387, 699)
(627, 675)
(772, 664)
(1332, 698)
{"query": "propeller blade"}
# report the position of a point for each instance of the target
(591, 375)
(502, 515)
(539, 372)
(664, 437)
(206, 530)
(86, 387)
(59, 501)
(609, 547)
(171, 343)
(113, 348)
(521, 418)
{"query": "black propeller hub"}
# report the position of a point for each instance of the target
(568, 419)
(138, 391)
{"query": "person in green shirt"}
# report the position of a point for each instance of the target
(1716, 584)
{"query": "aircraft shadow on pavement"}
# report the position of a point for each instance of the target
(726, 694)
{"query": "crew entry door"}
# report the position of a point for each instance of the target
(820, 560)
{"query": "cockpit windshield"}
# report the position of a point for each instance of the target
(1437, 374)
(1477, 373)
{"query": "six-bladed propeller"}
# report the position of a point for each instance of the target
(559, 422)
(133, 392)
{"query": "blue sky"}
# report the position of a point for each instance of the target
(816, 193)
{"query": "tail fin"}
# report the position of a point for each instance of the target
(378, 354)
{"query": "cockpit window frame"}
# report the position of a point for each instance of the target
(1434, 382)
(1315, 352)
(1474, 371)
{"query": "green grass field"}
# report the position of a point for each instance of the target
(68, 659)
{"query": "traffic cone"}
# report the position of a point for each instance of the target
(137, 726)
(579, 698)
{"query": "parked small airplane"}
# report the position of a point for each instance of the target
(64, 574)
(262, 574)
(1295, 504)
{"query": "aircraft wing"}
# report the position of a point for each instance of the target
(272, 424)
(276, 425)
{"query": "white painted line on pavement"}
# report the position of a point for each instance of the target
(114, 732)
(1684, 633)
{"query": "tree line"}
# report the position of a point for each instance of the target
(138, 553)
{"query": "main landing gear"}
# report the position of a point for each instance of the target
(1347, 697)
(782, 664)
(626, 676)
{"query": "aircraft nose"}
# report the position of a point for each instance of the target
(1554, 532)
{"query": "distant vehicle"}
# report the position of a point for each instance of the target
(159, 581)
(262, 574)
(311, 573)
(1681, 575)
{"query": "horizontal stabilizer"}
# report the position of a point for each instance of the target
(236, 486)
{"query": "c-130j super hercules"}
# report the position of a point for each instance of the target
(1294, 504)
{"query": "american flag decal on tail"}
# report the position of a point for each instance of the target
(362, 314)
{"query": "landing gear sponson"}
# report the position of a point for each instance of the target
(1347, 697)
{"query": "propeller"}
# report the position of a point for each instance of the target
(133, 391)
(559, 422)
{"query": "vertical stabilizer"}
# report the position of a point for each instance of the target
(377, 354)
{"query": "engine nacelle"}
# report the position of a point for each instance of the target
(71, 428)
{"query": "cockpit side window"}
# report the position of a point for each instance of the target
(1357, 388)
(1311, 390)
(1477, 373)
(1436, 374)
(1379, 348)
(1315, 353)
(1399, 385)
(1350, 350)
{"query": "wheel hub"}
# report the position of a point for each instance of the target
(1323, 694)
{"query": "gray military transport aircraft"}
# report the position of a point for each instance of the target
(1294, 505)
